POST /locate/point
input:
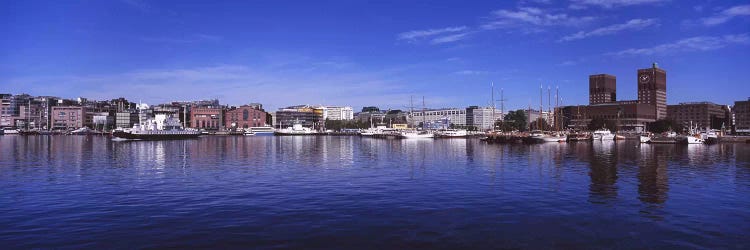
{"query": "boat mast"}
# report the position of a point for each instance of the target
(423, 114)
(541, 107)
(492, 99)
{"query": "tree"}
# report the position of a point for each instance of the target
(514, 120)
(664, 125)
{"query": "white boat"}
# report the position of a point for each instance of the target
(161, 127)
(413, 134)
(693, 139)
(9, 131)
(603, 135)
(452, 133)
(645, 137)
(296, 129)
(374, 131)
(248, 132)
(539, 136)
(81, 131)
(265, 130)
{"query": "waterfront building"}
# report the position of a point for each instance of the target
(126, 119)
(602, 89)
(741, 111)
(103, 121)
(210, 118)
(305, 115)
(71, 117)
(453, 116)
(337, 113)
(652, 89)
(629, 114)
(10, 108)
(244, 117)
(482, 118)
(366, 116)
(700, 114)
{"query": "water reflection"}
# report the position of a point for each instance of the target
(603, 171)
(380, 190)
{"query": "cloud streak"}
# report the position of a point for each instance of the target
(726, 15)
(529, 19)
(699, 43)
(448, 34)
(634, 24)
(609, 4)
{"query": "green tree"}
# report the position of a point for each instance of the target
(514, 120)
(664, 125)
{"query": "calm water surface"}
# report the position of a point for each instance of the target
(351, 192)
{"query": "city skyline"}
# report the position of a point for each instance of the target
(371, 54)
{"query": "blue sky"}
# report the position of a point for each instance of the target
(362, 53)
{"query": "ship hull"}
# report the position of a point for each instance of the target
(154, 137)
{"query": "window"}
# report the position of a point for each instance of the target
(245, 115)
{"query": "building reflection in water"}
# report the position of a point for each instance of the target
(603, 171)
(653, 184)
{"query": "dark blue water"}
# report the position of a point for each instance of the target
(351, 192)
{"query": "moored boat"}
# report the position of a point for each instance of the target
(162, 127)
(296, 129)
(414, 134)
(452, 133)
(603, 135)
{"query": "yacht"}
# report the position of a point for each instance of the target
(161, 127)
(603, 135)
(537, 136)
(296, 129)
(414, 134)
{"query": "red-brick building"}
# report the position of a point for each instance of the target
(244, 117)
(206, 118)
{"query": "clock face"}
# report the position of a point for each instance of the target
(644, 78)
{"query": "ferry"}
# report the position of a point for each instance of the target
(162, 127)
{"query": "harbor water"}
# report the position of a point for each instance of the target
(349, 192)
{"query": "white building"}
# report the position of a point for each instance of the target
(482, 118)
(338, 113)
(455, 116)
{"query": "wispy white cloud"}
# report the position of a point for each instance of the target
(582, 4)
(450, 38)
(634, 24)
(699, 43)
(529, 19)
(726, 15)
(417, 35)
